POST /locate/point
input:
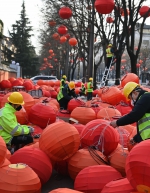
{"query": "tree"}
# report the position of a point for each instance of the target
(25, 54)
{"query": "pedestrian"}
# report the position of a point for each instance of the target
(89, 90)
(11, 131)
(63, 80)
(109, 55)
(66, 93)
(140, 100)
(82, 90)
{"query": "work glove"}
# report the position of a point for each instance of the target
(31, 129)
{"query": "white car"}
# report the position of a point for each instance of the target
(43, 77)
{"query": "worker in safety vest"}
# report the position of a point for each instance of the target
(10, 130)
(109, 55)
(89, 90)
(66, 93)
(63, 80)
(140, 100)
(82, 90)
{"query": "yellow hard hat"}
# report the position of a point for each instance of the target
(90, 78)
(64, 76)
(128, 88)
(71, 85)
(16, 98)
(109, 45)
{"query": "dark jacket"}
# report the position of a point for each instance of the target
(141, 107)
(67, 93)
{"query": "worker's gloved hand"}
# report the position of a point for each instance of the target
(31, 129)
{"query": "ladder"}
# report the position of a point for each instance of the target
(106, 73)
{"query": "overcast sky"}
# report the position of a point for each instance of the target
(10, 10)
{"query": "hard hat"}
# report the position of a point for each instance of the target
(71, 85)
(16, 98)
(64, 76)
(128, 88)
(90, 78)
(109, 45)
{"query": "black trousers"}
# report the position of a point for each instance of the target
(63, 103)
(108, 62)
(89, 96)
(22, 140)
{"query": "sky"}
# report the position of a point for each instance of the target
(10, 12)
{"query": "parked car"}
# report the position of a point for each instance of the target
(43, 77)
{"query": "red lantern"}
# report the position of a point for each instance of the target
(63, 39)
(83, 114)
(138, 65)
(109, 20)
(100, 134)
(22, 117)
(65, 13)
(62, 29)
(138, 167)
(4, 84)
(3, 150)
(94, 178)
(59, 141)
(130, 77)
(73, 103)
(28, 85)
(123, 108)
(11, 79)
(108, 113)
(64, 190)
(104, 7)
(144, 11)
(56, 36)
(79, 127)
(20, 177)
(118, 186)
(123, 61)
(111, 95)
(42, 115)
(34, 158)
(67, 36)
(17, 82)
(52, 23)
(6, 163)
(84, 158)
(50, 51)
(73, 41)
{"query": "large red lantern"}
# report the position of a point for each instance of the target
(118, 186)
(83, 114)
(20, 177)
(5, 84)
(123, 61)
(138, 65)
(42, 115)
(34, 158)
(73, 41)
(108, 113)
(109, 20)
(104, 7)
(63, 39)
(62, 29)
(123, 108)
(56, 36)
(144, 11)
(94, 178)
(52, 23)
(130, 77)
(65, 13)
(28, 85)
(100, 134)
(59, 141)
(67, 36)
(64, 190)
(3, 150)
(138, 166)
(84, 158)
(73, 103)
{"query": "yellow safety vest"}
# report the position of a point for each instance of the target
(109, 53)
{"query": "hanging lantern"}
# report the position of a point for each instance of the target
(50, 51)
(64, 190)
(94, 178)
(65, 13)
(109, 20)
(59, 141)
(104, 7)
(63, 39)
(3, 150)
(108, 113)
(34, 158)
(138, 158)
(130, 77)
(138, 65)
(144, 11)
(52, 23)
(73, 41)
(73, 103)
(42, 115)
(83, 114)
(56, 36)
(100, 134)
(20, 177)
(67, 36)
(62, 29)
(118, 186)
(84, 158)
(111, 95)
(123, 61)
